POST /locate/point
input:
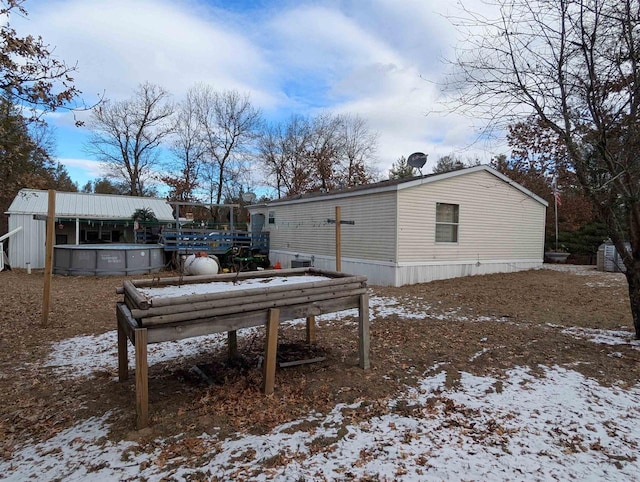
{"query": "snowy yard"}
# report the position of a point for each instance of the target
(528, 421)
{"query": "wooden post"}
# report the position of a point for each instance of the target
(363, 331)
(232, 341)
(311, 329)
(271, 348)
(142, 379)
(338, 254)
(123, 358)
(48, 256)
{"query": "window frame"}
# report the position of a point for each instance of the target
(271, 217)
(448, 223)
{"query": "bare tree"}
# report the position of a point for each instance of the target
(321, 153)
(283, 151)
(574, 67)
(183, 172)
(228, 125)
(358, 150)
(127, 134)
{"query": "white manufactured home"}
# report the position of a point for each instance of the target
(81, 218)
(466, 222)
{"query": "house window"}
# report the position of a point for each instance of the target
(447, 223)
(272, 217)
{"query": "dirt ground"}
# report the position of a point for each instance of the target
(481, 325)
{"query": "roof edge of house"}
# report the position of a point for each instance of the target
(384, 186)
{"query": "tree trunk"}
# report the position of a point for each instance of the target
(633, 279)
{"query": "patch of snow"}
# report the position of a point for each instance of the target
(223, 286)
(604, 337)
(519, 427)
(82, 355)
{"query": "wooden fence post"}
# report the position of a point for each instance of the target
(48, 256)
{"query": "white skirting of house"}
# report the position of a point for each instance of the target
(383, 273)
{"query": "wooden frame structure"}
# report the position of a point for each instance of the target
(144, 320)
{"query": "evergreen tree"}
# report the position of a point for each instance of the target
(401, 170)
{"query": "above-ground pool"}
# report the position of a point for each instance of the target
(107, 259)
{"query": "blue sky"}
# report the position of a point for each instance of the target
(379, 59)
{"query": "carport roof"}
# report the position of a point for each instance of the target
(88, 206)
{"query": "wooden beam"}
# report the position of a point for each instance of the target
(311, 329)
(136, 296)
(271, 349)
(176, 280)
(285, 292)
(363, 331)
(219, 324)
(125, 321)
(123, 358)
(249, 304)
(244, 293)
(232, 340)
(48, 256)
(142, 379)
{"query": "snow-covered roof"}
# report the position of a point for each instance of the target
(88, 206)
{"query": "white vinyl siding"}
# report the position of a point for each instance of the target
(303, 227)
(496, 221)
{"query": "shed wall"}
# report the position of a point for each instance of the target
(27, 246)
(496, 222)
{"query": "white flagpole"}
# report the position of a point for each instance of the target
(555, 200)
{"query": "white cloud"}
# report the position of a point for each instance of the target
(119, 44)
(381, 60)
(84, 168)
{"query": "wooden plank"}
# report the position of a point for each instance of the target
(337, 274)
(224, 277)
(48, 260)
(219, 324)
(311, 329)
(123, 358)
(301, 362)
(234, 302)
(344, 284)
(363, 331)
(125, 321)
(245, 308)
(142, 379)
(318, 307)
(232, 340)
(245, 293)
(271, 348)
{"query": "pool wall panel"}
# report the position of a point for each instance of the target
(104, 260)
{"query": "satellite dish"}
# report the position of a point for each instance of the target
(417, 160)
(248, 197)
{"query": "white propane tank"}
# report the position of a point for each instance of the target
(200, 265)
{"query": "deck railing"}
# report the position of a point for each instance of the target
(185, 241)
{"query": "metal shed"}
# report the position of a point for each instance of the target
(80, 218)
(608, 258)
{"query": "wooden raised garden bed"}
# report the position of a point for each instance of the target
(169, 309)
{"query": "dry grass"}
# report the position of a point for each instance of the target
(484, 324)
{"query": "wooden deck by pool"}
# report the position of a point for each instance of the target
(168, 309)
